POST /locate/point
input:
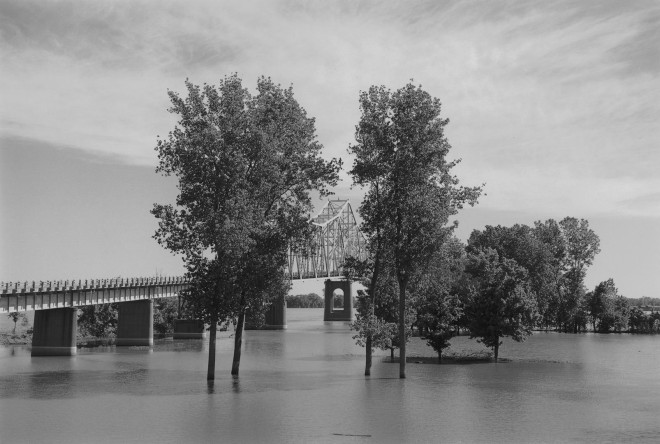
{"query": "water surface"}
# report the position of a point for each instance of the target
(305, 384)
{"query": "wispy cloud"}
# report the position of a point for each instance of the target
(553, 104)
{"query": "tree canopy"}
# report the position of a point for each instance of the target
(401, 155)
(245, 166)
(502, 303)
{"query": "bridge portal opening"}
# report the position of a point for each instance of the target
(338, 299)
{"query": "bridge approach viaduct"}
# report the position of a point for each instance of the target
(56, 303)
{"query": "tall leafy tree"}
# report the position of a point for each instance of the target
(550, 234)
(436, 292)
(573, 247)
(601, 305)
(519, 243)
(401, 155)
(245, 166)
(621, 313)
(607, 308)
(502, 303)
(582, 245)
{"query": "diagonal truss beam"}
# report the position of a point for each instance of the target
(336, 236)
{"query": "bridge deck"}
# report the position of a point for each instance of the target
(29, 296)
(59, 294)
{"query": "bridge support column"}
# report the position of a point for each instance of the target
(55, 332)
(343, 313)
(135, 325)
(276, 315)
(189, 329)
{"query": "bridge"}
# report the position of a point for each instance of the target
(335, 236)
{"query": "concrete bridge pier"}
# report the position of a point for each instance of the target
(275, 318)
(335, 311)
(135, 324)
(54, 332)
(276, 315)
(189, 329)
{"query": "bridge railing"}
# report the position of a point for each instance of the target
(44, 295)
(8, 288)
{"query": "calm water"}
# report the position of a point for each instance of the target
(306, 385)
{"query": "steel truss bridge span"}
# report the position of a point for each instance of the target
(336, 236)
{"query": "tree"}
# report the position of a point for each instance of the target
(310, 300)
(439, 307)
(439, 320)
(521, 244)
(245, 167)
(15, 316)
(550, 234)
(375, 320)
(621, 314)
(601, 305)
(582, 245)
(502, 303)
(572, 246)
(165, 312)
(638, 321)
(98, 321)
(401, 156)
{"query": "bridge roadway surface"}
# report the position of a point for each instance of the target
(26, 296)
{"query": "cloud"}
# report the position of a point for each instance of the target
(642, 202)
(557, 97)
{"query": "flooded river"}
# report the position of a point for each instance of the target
(306, 385)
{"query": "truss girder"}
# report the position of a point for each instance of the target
(336, 236)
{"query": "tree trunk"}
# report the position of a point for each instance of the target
(439, 356)
(402, 328)
(496, 348)
(372, 294)
(391, 354)
(367, 365)
(210, 374)
(238, 342)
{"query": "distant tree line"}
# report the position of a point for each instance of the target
(645, 301)
(505, 282)
(310, 300)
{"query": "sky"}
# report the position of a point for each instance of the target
(554, 105)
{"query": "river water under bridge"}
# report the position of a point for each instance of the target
(305, 385)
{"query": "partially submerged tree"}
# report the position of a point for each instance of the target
(245, 167)
(608, 310)
(502, 303)
(582, 245)
(601, 305)
(519, 243)
(438, 305)
(401, 156)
